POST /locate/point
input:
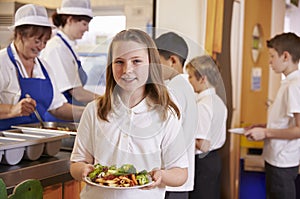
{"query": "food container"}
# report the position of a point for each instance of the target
(52, 148)
(69, 128)
(1, 153)
(11, 155)
(49, 127)
(33, 152)
(16, 144)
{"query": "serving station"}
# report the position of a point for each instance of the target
(31, 152)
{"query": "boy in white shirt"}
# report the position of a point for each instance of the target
(208, 86)
(282, 132)
(173, 51)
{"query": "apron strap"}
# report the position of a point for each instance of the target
(82, 74)
(70, 48)
(13, 60)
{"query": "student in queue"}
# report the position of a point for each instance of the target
(135, 122)
(72, 20)
(281, 135)
(173, 51)
(205, 78)
(26, 83)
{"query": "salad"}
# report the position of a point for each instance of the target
(124, 176)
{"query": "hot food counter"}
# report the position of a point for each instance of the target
(43, 157)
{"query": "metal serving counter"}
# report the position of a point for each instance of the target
(49, 170)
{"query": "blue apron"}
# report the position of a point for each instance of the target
(40, 90)
(81, 72)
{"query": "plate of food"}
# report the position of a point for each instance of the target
(237, 130)
(124, 177)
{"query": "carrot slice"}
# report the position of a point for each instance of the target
(134, 179)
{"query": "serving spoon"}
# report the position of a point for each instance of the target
(36, 113)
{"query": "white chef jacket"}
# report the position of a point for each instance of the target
(212, 119)
(10, 91)
(132, 136)
(280, 152)
(62, 62)
(183, 93)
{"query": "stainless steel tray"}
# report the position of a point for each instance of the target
(49, 127)
(16, 144)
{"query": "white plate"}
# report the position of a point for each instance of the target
(237, 130)
(87, 180)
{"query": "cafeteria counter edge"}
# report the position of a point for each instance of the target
(49, 170)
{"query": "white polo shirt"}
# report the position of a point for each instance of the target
(10, 91)
(62, 62)
(277, 152)
(212, 119)
(135, 136)
(182, 91)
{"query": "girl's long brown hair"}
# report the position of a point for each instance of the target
(156, 91)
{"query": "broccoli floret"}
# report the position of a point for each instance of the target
(98, 166)
(142, 179)
(113, 167)
(112, 170)
(98, 169)
(143, 172)
(127, 169)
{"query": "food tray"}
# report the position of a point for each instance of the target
(53, 127)
(16, 145)
(49, 127)
(1, 153)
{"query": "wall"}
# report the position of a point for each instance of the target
(253, 107)
(278, 15)
(138, 13)
(56, 3)
(188, 22)
(6, 8)
(49, 3)
(293, 14)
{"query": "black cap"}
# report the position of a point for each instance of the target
(172, 43)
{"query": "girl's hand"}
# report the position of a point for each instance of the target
(86, 169)
(79, 170)
(156, 177)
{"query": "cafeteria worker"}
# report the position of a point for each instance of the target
(25, 83)
(72, 20)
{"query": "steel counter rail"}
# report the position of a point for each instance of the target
(49, 170)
